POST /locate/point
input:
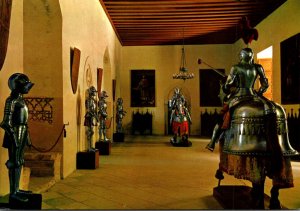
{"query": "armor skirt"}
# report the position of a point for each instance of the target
(256, 168)
(182, 126)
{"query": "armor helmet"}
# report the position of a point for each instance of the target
(120, 100)
(176, 91)
(247, 55)
(92, 91)
(103, 94)
(19, 82)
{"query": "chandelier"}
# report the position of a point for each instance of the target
(183, 71)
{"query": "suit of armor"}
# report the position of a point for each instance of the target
(16, 131)
(119, 115)
(90, 118)
(180, 117)
(243, 76)
(255, 145)
(239, 87)
(102, 106)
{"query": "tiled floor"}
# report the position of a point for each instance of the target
(148, 173)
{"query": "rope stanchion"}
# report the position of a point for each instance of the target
(56, 142)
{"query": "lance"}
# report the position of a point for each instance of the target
(200, 61)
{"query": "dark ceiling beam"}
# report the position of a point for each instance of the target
(161, 22)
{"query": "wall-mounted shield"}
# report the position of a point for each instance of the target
(114, 83)
(5, 11)
(99, 80)
(75, 62)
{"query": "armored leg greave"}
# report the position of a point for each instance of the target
(215, 137)
(89, 134)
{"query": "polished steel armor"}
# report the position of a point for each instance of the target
(249, 110)
(16, 131)
(253, 133)
(120, 115)
(102, 113)
(91, 117)
(180, 117)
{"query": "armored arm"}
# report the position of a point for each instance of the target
(262, 79)
(171, 116)
(91, 112)
(231, 80)
(187, 113)
(102, 109)
(6, 123)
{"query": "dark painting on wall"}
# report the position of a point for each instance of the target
(210, 87)
(142, 88)
(290, 70)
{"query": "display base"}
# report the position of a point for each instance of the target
(34, 202)
(118, 137)
(87, 159)
(237, 197)
(181, 144)
(103, 147)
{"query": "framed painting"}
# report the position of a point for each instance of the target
(290, 70)
(210, 87)
(142, 88)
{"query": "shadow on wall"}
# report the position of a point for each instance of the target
(78, 116)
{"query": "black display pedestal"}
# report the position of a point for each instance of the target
(118, 137)
(34, 202)
(236, 197)
(103, 147)
(181, 143)
(87, 159)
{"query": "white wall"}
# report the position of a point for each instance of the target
(86, 27)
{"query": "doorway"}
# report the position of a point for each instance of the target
(265, 58)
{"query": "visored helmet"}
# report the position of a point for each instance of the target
(103, 94)
(119, 100)
(19, 82)
(176, 91)
(246, 55)
(92, 90)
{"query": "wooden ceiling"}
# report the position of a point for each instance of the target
(172, 22)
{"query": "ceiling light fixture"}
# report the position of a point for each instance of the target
(183, 71)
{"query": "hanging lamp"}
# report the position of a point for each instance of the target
(183, 73)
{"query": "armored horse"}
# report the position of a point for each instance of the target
(253, 136)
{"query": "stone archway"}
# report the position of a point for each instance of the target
(107, 86)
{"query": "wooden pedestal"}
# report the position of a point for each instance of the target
(87, 159)
(237, 197)
(118, 137)
(104, 147)
(34, 202)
